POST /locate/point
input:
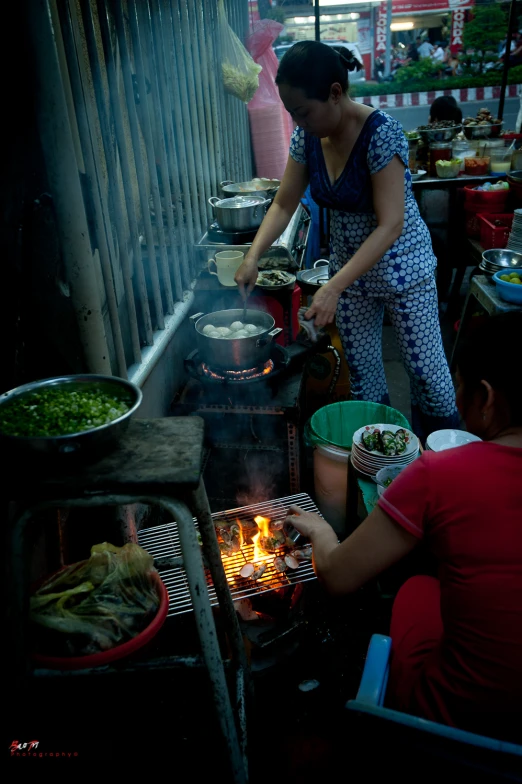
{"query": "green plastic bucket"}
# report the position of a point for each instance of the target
(335, 424)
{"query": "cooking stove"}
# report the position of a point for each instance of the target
(216, 235)
(287, 252)
(253, 424)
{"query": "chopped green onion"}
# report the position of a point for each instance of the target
(59, 412)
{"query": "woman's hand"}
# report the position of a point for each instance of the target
(324, 305)
(246, 276)
(308, 524)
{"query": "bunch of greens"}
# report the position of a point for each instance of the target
(94, 605)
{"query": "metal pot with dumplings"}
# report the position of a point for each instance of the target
(227, 340)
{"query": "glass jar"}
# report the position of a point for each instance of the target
(500, 161)
(413, 146)
(462, 150)
(516, 160)
(439, 151)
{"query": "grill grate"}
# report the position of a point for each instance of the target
(163, 541)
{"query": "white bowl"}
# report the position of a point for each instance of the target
(447, 439)
(420, 173)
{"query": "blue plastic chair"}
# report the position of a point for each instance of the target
(415, 741)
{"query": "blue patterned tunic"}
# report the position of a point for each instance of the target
(403, 281)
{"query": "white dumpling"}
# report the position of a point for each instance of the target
(208, 329)
(223, 331)
(236, 325)
(214, 334)
(240, 334)
(252, 328)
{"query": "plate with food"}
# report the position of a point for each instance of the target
(275, 279)
(385, 441)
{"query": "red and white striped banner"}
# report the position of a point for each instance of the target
(463, 95)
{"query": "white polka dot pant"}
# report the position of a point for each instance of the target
(415, 319)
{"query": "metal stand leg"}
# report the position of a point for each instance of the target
(207, 631)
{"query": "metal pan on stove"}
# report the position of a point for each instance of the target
(314, 278)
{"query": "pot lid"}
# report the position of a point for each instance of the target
(236, 202)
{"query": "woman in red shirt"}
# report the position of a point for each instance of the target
(457, 640)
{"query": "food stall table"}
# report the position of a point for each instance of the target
(444, 217)
(484, 293)
(157, 462)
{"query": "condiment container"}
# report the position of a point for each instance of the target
(476, 167)
(461, 149)
(500, 160)
(439, 151)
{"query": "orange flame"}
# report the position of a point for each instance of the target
(241, 537)
(263, 524)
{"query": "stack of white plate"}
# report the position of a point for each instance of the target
(368, 463)
(515, 238)
(447, 439)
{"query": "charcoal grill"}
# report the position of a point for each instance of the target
(163, 542)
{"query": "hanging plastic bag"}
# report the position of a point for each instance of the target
(270, 123)
(240, 72)
(94, 605)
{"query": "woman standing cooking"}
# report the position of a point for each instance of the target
(356, 162)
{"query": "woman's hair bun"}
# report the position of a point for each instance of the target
(348, 60)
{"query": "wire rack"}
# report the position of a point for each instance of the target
(163, 542)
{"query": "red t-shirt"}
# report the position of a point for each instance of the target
(467, 504)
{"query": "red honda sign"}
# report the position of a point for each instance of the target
(380, 31)
(459, 18)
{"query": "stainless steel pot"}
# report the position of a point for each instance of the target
(86, 443)
(313, 279)
(239, 354)
(259, 186)
(239, 213)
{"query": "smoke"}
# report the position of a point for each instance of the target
(260, 474)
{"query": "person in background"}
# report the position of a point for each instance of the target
(413, 54)
(451, 63)
(424, 48)
(437, 54)
(457, 638)
(445, 108)
(356, 162)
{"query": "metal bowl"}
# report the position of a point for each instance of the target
(482, 131)
(93, 442)
(515, 176)
(502, 259)
(259, 186)
(439, 134)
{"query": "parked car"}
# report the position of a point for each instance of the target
(356, 75)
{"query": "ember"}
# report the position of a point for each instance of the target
(238, 375)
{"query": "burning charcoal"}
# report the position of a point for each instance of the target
(291, 562)
(279, 564)
(247, 570)
(259, 572)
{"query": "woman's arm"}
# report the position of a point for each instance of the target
(374, 546)
(290, 193)
(388, 203)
